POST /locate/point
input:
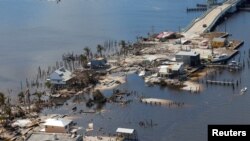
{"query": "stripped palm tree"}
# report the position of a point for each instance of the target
(123, 47)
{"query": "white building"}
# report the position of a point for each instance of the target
(126, 133)
(60, 76)
(171, 69)
(58, 125)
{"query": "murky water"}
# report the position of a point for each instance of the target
(36, 33)
(215, 105)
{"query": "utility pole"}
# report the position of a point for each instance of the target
(152, 30)
(180, 37)
(225, 24)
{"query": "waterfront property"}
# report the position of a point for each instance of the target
(126, 133)
(171, 69)
(60, 76)
(98, 63)
(41, 136)
(219, 42)
(58, 125)
(190, 58)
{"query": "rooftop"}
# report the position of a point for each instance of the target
(125, 130)
(64, 73)
(57, 122)
(60, 76)
(219, 39)
(187, 53)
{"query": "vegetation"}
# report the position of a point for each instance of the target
(2, 99)
(83, 60)
(87, 52)
(39, 96)
(98, 96)
(99, 49)
(21, 97)
(48, 84)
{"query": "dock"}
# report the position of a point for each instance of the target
(162, 102)
(196, 9)
(156, 101)
(102, 138)
(229, 83)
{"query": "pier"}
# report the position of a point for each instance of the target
(220, 82)
(196, 9)
(207, 21)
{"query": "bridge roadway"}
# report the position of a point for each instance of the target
(207, 22)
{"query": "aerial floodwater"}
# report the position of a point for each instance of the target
(37, 32)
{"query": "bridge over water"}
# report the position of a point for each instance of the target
(208, 20)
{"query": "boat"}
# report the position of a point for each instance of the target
(233, 65)
(243, 90)
(220, 58)
(142, 73)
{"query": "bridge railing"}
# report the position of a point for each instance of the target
(219, 16)
(207, 12)
(198, 19)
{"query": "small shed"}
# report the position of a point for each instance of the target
(171, 69)
(98, 63)
(219, 42)
(58, 125)
(190, 58)
(128, 134)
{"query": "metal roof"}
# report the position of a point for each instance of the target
(163, 69)
(187, 53)
(176, 66)
(219, 39)
(57, 122)
(125, 130)
(60, 76)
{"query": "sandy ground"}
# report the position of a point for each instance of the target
(192, 86)
(110, 82)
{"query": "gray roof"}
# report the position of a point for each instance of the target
(41, 136)
(187, 53)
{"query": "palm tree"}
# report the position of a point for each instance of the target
(2, 99)
(99, 49)
(39, 96)
(87, 51)
(123, 47)
(21, 97)
(7, 110)
(123, 44)
(83, 60)
(27, 98)
(48, 84)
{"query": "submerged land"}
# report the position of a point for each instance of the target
(177, 60)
